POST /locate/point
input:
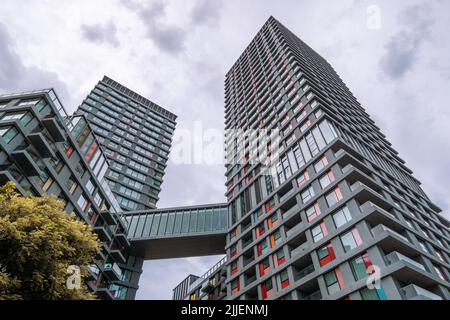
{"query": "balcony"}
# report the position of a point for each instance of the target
(118, 255)
(27, 163)
(39, 141)
(300, 249)
(54, 129)
(122, 238)
(413, 292)
(104, 294)
(313, 296)
(112, 271)
(394, 257)
(108, 216)
(104, 232)
(379, 229)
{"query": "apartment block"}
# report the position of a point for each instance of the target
(136, 135)
(338, 205)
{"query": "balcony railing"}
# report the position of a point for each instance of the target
(413, 292)
(382, 228)
(394, 257)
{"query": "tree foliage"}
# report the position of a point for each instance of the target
(38, 243)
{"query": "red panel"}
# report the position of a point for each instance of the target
(285, 284)
(340, 278)
(357, 237)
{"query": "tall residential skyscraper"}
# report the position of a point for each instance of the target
(340, 203)
(45, 151)
(136, 135)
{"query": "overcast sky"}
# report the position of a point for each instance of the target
(177, 53)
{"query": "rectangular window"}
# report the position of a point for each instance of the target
(284, 279)
(71, 186)
(8, 133)
(319, 232)
(260, 230)
(233, 251)
(270, 205)
(302, 179)
(327, 179)
(351, 240)
(234, 267)
(360, 266)
(373, 294)
(235, 286)
(307, 194)
(275, 239)
(334, 281)
(326, 254)
(264, 267)
(322, 163)
(341, 217)
(334, 197)
(279, 258)
(82, 202)
(262, 247)
(312, 212)
(267, 289)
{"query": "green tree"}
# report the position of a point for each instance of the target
(38, 243)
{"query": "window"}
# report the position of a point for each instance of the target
(47, 181)
(234, 267)
(235, 286)
(8, 133)
(307, 194)
(334, 281)
(312, 212)
(260, 230)
(12, 116)
(71, 186)
(275, 239)
(322, 163)
(90, 186)
(351, 240)
(233, 251)
(264, 267)
(69, 149)
(262, 247)
(267, 289)
(82, 202)
(279, 258)
(360, 266)
(373, 294)
(327, 179)
(302, 179)
(326, 254)
(284, 279)
(129, 192)
(126, 203)
(57, 164)
(270, 205)
(272, 221)
(319, 232)
(334, 197)
(341, 217)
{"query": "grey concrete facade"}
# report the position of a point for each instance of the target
(340, 203)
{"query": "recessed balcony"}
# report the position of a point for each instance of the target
(26, 162)
(39, 141)
(53, 128)
(104, 232)
(112, 271)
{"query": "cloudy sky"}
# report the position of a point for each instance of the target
(395, 60)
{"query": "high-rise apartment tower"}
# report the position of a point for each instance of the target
(339, 204)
